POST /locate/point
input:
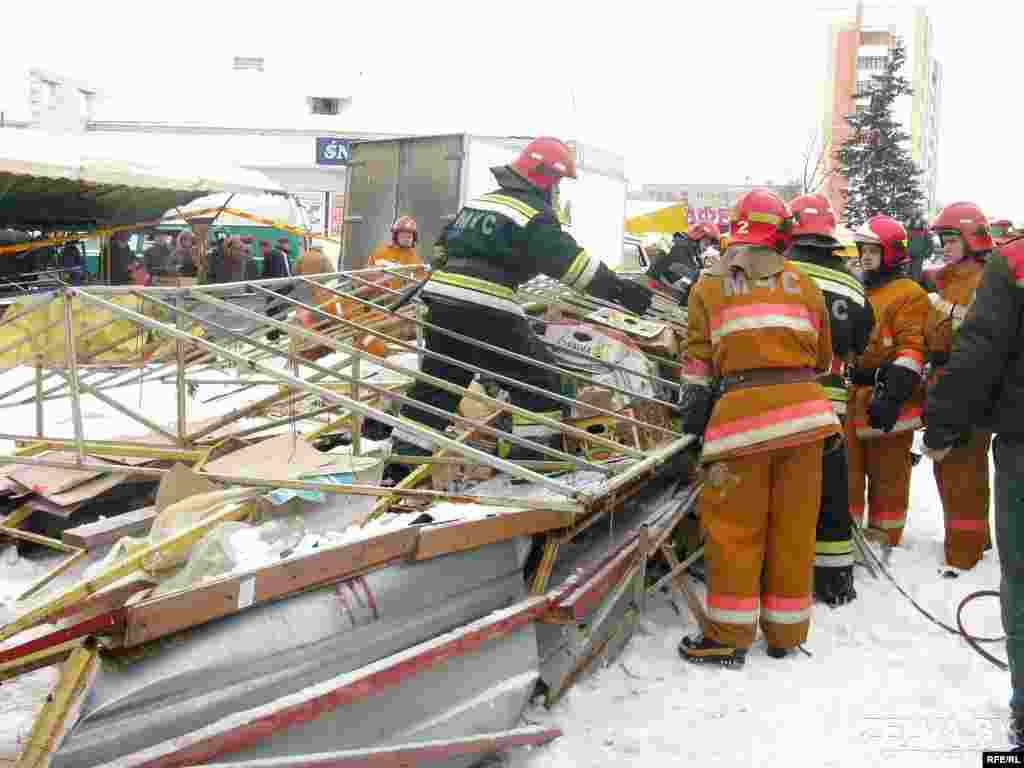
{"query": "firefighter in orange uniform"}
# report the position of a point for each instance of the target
(399, 252)
(885, 398)
(759, 336)
(962, 477)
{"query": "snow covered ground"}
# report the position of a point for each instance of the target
(884, 685)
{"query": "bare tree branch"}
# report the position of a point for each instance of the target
(816, 170)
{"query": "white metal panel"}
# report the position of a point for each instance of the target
(597, 206)
(483, 153)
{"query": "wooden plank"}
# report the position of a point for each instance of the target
(108, 531)
(243, 729)
(461, 535)
(50, 480)
(232, 507)
(106, 600)
(402, 755)
(176, 611)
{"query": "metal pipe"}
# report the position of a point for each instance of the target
(507, 379)
(529, 444)
(520, 358)
(493, 461)
(180, 387)
(354, 489)
(100, 291)
(90, 356)
(659, 456)
(120, 408)
(257, 383)
(286, 420)
(615, 366)
(71, 357)
(40, 422)
(462, 392)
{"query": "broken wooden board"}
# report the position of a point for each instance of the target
(285, 457)
(166, 614)
(53, 480)
(460, 535)
(408, 755)
(180, 542)
(102, 533)
(72, 499)
(243, 729)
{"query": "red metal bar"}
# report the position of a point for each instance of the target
(105, 623)
(404, 755)
(247, 728)
(591, 592)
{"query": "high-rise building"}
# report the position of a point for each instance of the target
(860, 39)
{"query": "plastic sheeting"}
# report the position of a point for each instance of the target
(41, 332)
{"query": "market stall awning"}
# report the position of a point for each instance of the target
(49, 182)
(668, 219)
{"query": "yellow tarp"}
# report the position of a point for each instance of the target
(41, 333)
(666, 220)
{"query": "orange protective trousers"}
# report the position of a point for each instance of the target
(760, 515)
(880, 466)
(962, 478)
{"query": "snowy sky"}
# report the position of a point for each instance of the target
(689, 92)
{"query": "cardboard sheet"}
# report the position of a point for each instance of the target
(48, 481)
(279, 458)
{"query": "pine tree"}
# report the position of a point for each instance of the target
(882, 176)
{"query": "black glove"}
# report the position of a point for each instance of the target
(884, 409)
(695, 404)
(900, 383)
(635, 297)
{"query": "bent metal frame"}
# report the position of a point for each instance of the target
(245, 345)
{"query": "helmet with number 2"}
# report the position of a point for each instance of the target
(760, 217)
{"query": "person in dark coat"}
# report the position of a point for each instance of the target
(982, 387)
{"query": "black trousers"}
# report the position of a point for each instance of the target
(833, 556)
(501, 329)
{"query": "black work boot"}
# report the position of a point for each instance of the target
(704, 650)
(834, 586)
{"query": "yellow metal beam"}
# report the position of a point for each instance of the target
(53, 574)
(44, 658)
(62, 707)
(116, 448)
(17, 517)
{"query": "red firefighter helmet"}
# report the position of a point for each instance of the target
(705, 230)
(545, 161)
(814, 221)
(969, 222)
(404, 224)
(890, 235)
(761, 218)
